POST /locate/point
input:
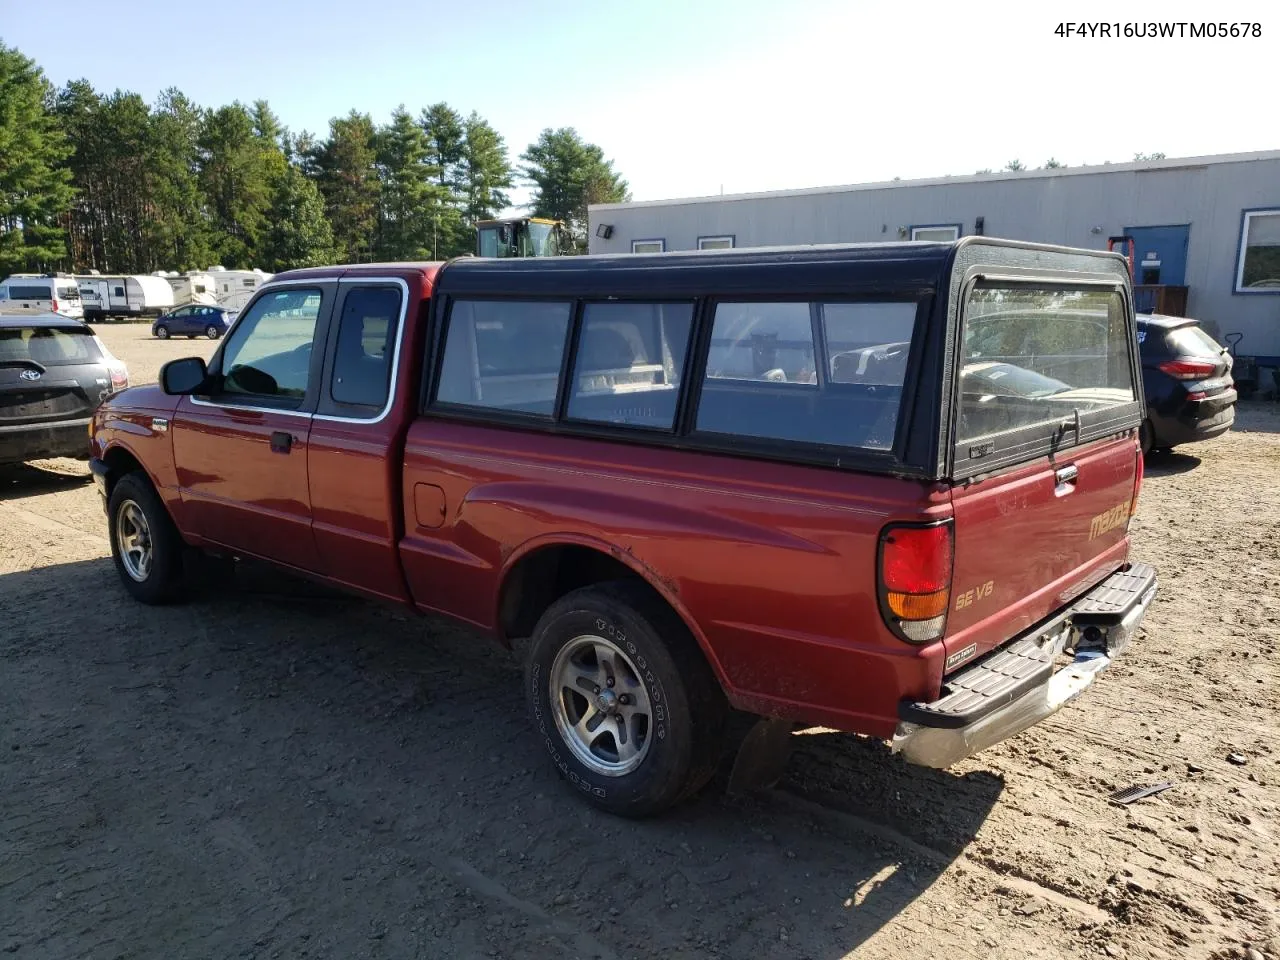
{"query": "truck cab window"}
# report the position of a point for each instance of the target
(268, 353)
(366, 342)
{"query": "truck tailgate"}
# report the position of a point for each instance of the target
(1033, 538)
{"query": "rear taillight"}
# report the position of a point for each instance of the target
(119, 378)
(1185, 369)
(53, 306)
(915, 579)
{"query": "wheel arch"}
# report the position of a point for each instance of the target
(544, 569)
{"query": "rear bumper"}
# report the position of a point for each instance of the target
(1197, 420)
(36, 441)
(1022, 683)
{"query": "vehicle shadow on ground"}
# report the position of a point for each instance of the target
(1169, 463)
(273, 764)
(21, 480)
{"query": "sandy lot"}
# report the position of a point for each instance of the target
(272, 771)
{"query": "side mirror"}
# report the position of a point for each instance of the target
(185, 376)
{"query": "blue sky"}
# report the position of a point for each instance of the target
(693, 96)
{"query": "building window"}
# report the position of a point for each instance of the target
(648, 246)
(936, 232)
(1258, 264)
(715, 243)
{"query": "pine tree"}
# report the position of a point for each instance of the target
(407, 194)
(266, 125)
(179, 229)
(348, 181)
(299, 235)
(485, 171)
(35, 189)
(238, 174)
(445, 135)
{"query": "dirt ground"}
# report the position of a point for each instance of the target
(271, 771)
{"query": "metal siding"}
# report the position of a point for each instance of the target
(1060, 209)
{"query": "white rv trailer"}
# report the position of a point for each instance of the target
(194, 286)
(234, 288)
(124, 296)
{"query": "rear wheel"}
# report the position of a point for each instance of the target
(623, 699)
(145, 545)
(211, 332)
(1146, 437)
(162, 332)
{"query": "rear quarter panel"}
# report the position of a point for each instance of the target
(773, 566)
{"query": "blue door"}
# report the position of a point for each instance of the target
(1160, 255)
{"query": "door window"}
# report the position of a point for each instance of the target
(269, 352)
(366, 339)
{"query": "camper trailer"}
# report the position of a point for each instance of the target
(124, 296)
(235, 288)
(194, 286)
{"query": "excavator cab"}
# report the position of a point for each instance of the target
(523, 237)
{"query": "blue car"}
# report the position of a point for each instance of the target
(194, 320)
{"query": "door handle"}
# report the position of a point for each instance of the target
(281, 441)
(1065, 479)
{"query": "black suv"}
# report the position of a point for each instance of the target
(1186, 376)
(53, 374)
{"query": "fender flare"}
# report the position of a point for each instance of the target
(660, 585)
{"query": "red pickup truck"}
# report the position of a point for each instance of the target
(883, 488)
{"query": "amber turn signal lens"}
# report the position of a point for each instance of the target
(918, 606)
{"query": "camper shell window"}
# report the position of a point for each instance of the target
(846, 357)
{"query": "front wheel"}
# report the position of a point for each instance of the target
(211, 332)
(145, 545)
(623, 699)
(162, 333)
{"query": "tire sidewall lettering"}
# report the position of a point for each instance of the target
(550, 734)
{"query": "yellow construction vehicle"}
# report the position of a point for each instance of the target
(523, 237)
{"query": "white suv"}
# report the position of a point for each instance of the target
(41, 293)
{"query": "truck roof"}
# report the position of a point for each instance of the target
(424, 268)
(826, 268)
(835, 267)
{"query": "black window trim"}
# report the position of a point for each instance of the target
(1022, 445)
(684, 437)
(257, 403)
